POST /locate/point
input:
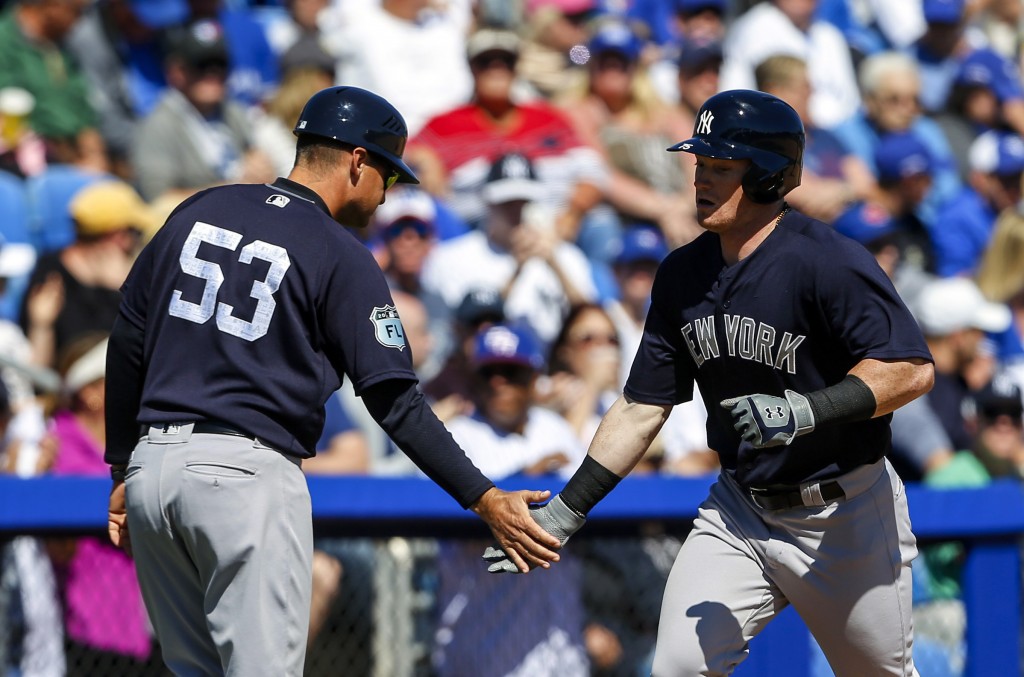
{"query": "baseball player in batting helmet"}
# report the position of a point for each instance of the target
(801, 349)
(238, 321)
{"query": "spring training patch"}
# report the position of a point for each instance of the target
(388, 327)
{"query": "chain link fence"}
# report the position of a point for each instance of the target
(408, 607)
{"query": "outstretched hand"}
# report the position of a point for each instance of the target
(557, 519)
(523, 541)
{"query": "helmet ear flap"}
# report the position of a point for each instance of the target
(762, 186)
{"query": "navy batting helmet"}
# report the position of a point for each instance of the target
(742, 124)
(359, 118)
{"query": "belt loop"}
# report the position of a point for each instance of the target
(810, 495)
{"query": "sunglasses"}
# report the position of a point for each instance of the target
(595, 339)
(391, 179)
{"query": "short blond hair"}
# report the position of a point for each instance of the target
(779, 70)
(1001, 273)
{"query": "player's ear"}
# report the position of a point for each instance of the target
(358, 163)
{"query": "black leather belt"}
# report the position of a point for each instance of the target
(780, 499)
(208, 427)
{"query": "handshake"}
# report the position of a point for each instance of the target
(555, 517)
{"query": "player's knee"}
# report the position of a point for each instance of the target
(688, 659)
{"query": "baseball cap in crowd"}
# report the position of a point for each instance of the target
(158, 14)
(513, 344)
(943, 11)
(564, 6)
(696, 54)
(865, 222)
(999, 153)
(16, 259)
(492, 40)
(641, 243)
(989, 69)
(406, 208)
(900, 156)
(951, 304)
(1000, 397)
(480, 305)
(109, 206)
(199, 44)
(615, 37)
(687, 7)
(512, 177)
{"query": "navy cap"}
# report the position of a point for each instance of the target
(1001, 397)
(900, 156)
(201, 42)
(697, 53)
(991, 70)
(508, 344)
(480, 305)
(943, 11)
(641, 243)
(615, 37)
(694, 6)
(865, 222)
(511, 177)
(999, 153)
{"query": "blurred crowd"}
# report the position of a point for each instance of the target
(522, 264)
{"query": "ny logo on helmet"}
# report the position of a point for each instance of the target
(704, 124)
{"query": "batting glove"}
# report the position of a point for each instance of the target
(769, 421)
(555, 517)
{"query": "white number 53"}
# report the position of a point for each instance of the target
(262, 290)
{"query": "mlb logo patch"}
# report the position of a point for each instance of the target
(278, 200)
(388, 327)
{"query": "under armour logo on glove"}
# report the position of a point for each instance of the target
(769, 421)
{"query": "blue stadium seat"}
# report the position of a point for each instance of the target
(14, 209)
(49, 195)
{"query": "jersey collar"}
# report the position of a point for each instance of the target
(300, 191)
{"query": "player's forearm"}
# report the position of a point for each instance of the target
(124, 375)
(626, 431)
(894, 383)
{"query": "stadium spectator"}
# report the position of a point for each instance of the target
(832, 176)
(697, 69)
(790, 27)
(455, 150)
(891, 86)
(550, 30)
(453, 385)
(905, 168)
(984, 81)
(300, 23)
(999, 440)
(965, 230)
(411, 52)
(252, 64)
(997, 23)
(32, 57)
(1001, 279)
(306, 68)
(540, 623)
(77, 289)
(196, 137)
(616, 110)
(516, 253)
(954, 317)
(105, 620)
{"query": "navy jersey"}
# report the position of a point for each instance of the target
(798, 313)
(255, 303)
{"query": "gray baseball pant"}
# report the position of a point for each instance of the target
(844, 566)
(221, 531)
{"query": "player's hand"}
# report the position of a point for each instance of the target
(117, 519)
(507, 514)
(769, 421)
(556, 518)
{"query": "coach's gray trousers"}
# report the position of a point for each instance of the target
(221, 531)
(844, 566)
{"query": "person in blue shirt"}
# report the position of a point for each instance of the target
(964, 230)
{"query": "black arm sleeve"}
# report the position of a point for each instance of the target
(123, 390)
(849, 400)
(401, 411)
